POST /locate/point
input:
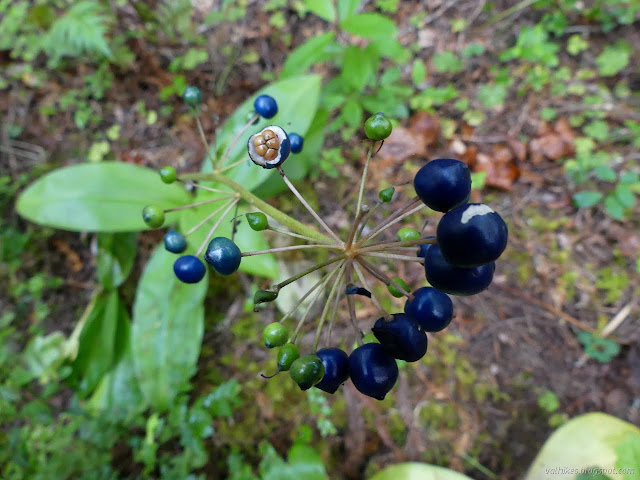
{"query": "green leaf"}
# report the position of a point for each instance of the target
(103, 197)
(314, 50)
(352, 113)
(223, 400)
(630, 178)
(624, 195)
(605, 173)
(358, 67)
(101, 342)
(447, 61)
(323, 8)
(298, 98)
(116, 253)
(370, 25)
(347, 8)
(614, 59)
(548, 401)
(586, 199)
(629, 456)
(585, 441)
(613, 207)
(303, 463)
(576, 44)
(418, 72)
(492, 95)
(418, 471)
(167, 328)
(598, 130)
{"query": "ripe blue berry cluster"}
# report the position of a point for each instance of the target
(458, 260)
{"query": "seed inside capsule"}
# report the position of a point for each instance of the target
(273, 143)
(271, 154)
(268, 135)
(259, 140)
(261, 150)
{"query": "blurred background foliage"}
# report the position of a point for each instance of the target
(540, 98)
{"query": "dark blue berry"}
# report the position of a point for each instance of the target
(443, 184)
(373, 371)
(430, 308)
(175, 242)
(297, 142)
(401, 337)
(456, 280)
(336, 369)
(223, 255)
(265, 106)
(189, 269)
(472, 235)
(422, 249)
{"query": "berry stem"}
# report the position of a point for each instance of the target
(391, 256)
(356, 223)
(260, 204)
(381, 229)
(364, 221)
(215, 227)
(204, 140)
(202, 187)
(380, 275)
(286, 282)
(390, 218)
(375, 301)
(291, 234)
(388, 245)
(205, 220)
(306, 313)
(335, 309)
(309, 292)
(364, 178)
(198, 204)
(308, 207)
(234, 164)
(351, 302)
(325, 310)
(292, 247)
(225, 156)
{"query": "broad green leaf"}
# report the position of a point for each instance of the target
(352, 113)
(585, 441)
(247, 239)
(370, 25)
(44, 355)
(358, 67)
(303, 463)
(309, 53)
(116, 253)
(392, 49)
(418, 471)
(492, 95)
(629, 456)
(297, 99)
(101, 341)
(418, 72)
(222, 400)
(586, 199)
(119, 393)
(598, 130)
(103, 197)
(167, 328)
(347, 8)
(447, 61)
(613, 206)
(323, 8)
(629, 178)
(576, 44)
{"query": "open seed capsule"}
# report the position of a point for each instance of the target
(269, 147)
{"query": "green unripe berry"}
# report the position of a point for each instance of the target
(387, 194)
(264, 296)
(393, 290)
(306, 371)
(378, 126)
(192, 96)
(275, 335)
(153, 216)
(257, 221)
(407, 234)
(287, 354)
(168, 174)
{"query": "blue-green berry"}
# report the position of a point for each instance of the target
(175, 242)
(223, 255)
(192, 96)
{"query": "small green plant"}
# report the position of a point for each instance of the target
(598, 348)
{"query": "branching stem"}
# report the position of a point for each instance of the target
(215, 227)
